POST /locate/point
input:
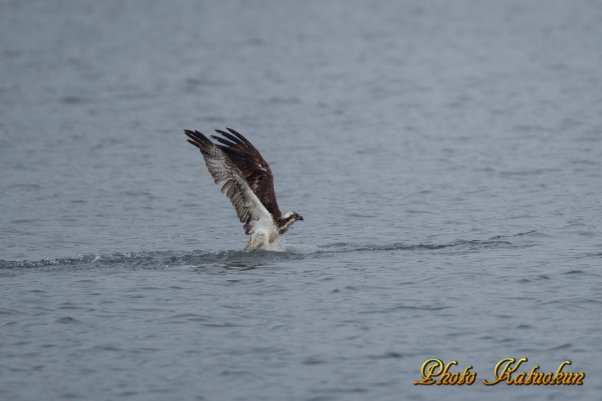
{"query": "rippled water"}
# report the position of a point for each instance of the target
(446, 158)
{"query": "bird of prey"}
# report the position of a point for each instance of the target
(246, 178)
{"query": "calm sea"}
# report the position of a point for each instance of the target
(446, 158)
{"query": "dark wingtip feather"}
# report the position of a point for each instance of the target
(224, 141)
(198, 139)
(239, 136)
(231, 137)
(224, 133)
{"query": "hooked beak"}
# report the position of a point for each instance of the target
(301, 218)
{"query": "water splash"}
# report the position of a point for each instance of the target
(248, 260)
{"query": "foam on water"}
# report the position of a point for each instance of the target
(281, 251)
(446, 158)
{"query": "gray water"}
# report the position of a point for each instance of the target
(446, 157)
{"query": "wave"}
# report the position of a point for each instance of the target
(399, 246)
(243, 260)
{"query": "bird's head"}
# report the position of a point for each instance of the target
(288, 219)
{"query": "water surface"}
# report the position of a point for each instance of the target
(446, 158)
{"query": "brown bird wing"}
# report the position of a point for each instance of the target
(249, 208)
(252, 166)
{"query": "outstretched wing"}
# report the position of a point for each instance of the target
(252, 166)
(248, 207)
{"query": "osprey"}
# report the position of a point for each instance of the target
(246, 178)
